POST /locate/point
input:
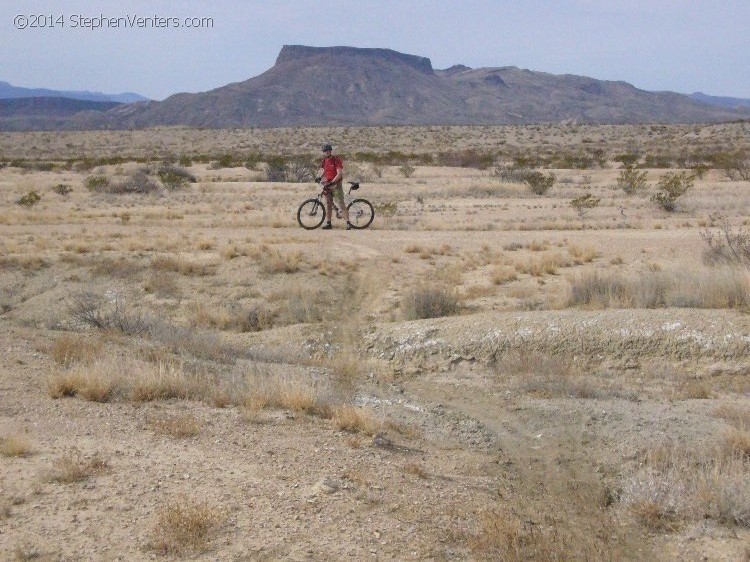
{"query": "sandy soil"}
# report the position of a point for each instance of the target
(519, 428)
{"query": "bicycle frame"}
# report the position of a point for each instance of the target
(311, 212)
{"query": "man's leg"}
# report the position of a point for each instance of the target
(329, 208)
(339, 193)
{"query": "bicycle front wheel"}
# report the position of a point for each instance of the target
(311, 214)
(361, 213)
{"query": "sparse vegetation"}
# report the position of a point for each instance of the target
(539, 183)
(174, 177)
(584, 204)
(29, 200)
(631, 180)
(727, 246)
(671, 187)
(430, 302)
(185, 525)
(484, 348)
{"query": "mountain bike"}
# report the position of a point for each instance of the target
(312, 213)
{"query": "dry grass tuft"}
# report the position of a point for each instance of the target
(734, 415)
(507, 537)
(546, 264)
(275, 262)
(177, 426)
(84, 381)
(416, 469)
(182, 266)
(353, 418)
(185, 525)
(582, 254)
(110, 379)
(503, 274)
(680, 484)
(75, 467)
(72, 348)
(15, 446)
(430, 302)
(723, 288)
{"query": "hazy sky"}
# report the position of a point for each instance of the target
(679, 45)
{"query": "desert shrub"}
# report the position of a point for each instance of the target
(407, 170)
(386, 209)
(700, 170)
(430, 302)
(62, 189)
(627, 159)
(224, 161)
(670, 187)
(300, 169)
(29, 200)
(253, 160)
(469, 158)
(726, 246)
(630, 180)
(276, 168)
(584, 204)
(98, 183)
(510, 173)
(139, 182)
(574, 161)
(95, 311)
(185, 161)
(657, 161)
(539, 183)
(174, 177)
(734, 165)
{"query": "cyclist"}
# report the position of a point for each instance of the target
(332, 173)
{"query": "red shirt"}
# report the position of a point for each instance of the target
(331, 165)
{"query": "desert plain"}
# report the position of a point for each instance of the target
(485, 373)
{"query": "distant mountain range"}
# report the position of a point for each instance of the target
(312, 86)
(8, 91)
(721, 101)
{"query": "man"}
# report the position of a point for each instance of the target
(332, 174)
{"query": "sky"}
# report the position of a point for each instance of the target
(147, 47)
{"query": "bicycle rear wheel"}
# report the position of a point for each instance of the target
(361, 213)
(311, 214)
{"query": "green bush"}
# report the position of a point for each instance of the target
(672, 186)
(29, 200)
(62, 189)
(631, 181)
(407, 170)
(539, 183)
(584, 204)
(98, 183)
(174, 177)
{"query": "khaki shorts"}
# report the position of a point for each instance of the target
(338, 194)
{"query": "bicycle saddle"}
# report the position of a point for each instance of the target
(354, 184)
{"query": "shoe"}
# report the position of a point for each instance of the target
(349, 226)
(328, 226)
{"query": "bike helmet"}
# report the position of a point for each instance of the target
(327, 147)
